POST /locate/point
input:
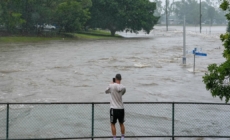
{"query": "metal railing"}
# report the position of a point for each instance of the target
(90, 120)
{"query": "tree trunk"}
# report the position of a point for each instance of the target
(112, 32)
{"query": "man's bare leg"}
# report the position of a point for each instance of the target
(113, 128)
(122, 129)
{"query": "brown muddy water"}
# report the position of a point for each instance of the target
(76, 71)
(79, 71)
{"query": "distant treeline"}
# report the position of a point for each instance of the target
(210, 14)
(32, 16)
(37, 16)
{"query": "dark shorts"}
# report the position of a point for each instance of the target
(117, 114)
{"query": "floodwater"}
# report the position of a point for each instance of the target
(79, 71)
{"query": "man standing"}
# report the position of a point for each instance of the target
(117, 111)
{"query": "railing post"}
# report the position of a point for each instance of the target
(173, 111)
(7, 121)
(92, 121)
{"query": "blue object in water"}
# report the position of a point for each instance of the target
(201, 54)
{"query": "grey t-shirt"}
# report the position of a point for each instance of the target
(116, 91)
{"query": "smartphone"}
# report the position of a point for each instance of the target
(114, 80)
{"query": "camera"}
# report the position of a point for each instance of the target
(114, 80)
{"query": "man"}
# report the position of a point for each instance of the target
(117, 90)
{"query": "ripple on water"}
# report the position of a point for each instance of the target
(149, 84)
(10, 71)
(141, 65)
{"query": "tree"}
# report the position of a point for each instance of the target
(188, 8)
(120, 15)
(1, 11)
(191, 9)
(37, 12)
(159, 11)
(228, 27)
(24, 15)
(220, 16)
(211, 14)
(159, 8)
(72, 15)
(11, 18)
(217, 77)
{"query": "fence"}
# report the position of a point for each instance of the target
(91, 120)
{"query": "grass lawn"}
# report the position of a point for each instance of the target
(91, 34)
(102, 32)
(19, 39)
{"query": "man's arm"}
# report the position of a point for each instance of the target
(123, 90)
(108, 90)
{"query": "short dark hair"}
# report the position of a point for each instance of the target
(118, 77)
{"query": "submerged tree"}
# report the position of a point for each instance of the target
(119, 15)
(218, 76)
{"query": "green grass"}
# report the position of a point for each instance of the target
(22, 39)
(91, 34)
(98, 33)
(102, 32)
(86, 36)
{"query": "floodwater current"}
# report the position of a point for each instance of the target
(79, 71)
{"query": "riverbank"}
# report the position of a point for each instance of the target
(91, 34)
(24, 39)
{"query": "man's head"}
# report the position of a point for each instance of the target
(118, 77)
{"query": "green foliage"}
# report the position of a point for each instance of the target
(159, 8)
(10, 18)
(72, 15)
(224, 5)
(24, 15)
(217, 78)
(117, 15)
(1, 11)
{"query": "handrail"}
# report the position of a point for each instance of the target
(174, 117)
(208, 103)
